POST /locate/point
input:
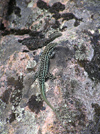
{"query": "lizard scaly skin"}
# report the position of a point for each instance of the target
(43, 73)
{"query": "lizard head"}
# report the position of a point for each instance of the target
(51, 45)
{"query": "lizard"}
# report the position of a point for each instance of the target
(42, 74)
(36, 41)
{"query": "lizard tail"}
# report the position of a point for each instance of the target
(47, 102)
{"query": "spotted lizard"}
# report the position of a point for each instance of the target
(43, 73)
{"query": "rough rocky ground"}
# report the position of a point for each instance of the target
(26, 27)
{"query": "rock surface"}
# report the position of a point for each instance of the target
(26, 27)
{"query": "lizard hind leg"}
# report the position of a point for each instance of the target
(50, 76)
